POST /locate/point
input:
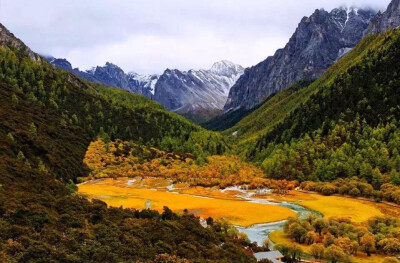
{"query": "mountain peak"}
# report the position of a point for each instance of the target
(197, 94)
(394, 5)
(387, 20)
(7, 39)
(91, 70)
(317, 43)
(224, 62)
(111, 65)
(226, 68)
(61, 63)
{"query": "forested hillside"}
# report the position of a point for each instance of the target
(277, 108)
(102, 111)
(338, 134)
(48, 119)
(348, 126)
(268, 114)
(42, 219)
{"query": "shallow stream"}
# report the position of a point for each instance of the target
(259, 232)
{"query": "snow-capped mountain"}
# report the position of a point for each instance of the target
(112, 75)
(197, 94)
(317, 43)
(147, 82)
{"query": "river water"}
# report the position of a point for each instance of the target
(259, 232)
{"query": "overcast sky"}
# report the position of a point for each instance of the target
(148, 36)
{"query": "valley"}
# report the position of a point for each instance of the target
(260, 214)
(227, 206)
(297, 159)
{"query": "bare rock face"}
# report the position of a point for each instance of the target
(114, 76)
(7, 39)
(387, 20)
(197, 94)
(317, 43)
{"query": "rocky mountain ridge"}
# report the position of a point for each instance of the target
(197, 94)
(387, 20)
(317, 43)
(112, 75)
(7, 39)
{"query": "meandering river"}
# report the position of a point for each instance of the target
(259, 232)
(121, 195)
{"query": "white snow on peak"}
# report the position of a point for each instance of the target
(133, 75)
(206, 89)
(349, 11)
(225, 67)
(152, 84)
(91, 71)
(147, 81)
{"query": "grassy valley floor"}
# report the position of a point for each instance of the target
(119, 192)
(336, 206)
(156, 193)
(153, 192)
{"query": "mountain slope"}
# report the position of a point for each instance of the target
(367, 88)
(199, 95)
(43, 220)
(100, 110)
(196, 94)
(112, 75)
(277, 107)
(348, 126)
(8, 39)
(271, 112)
(47, 119)
(386, 20)
(318, 42)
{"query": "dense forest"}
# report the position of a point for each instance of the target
(338, 240)
(127, 159)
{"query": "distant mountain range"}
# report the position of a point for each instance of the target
(197, 94)
(317, 43)
(112, 75)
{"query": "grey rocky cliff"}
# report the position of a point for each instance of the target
(387, 20)
(197, 94)
(317, 43)
(7, 39)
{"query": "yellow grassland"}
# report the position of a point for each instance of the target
(236, 212)
(334, 206)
